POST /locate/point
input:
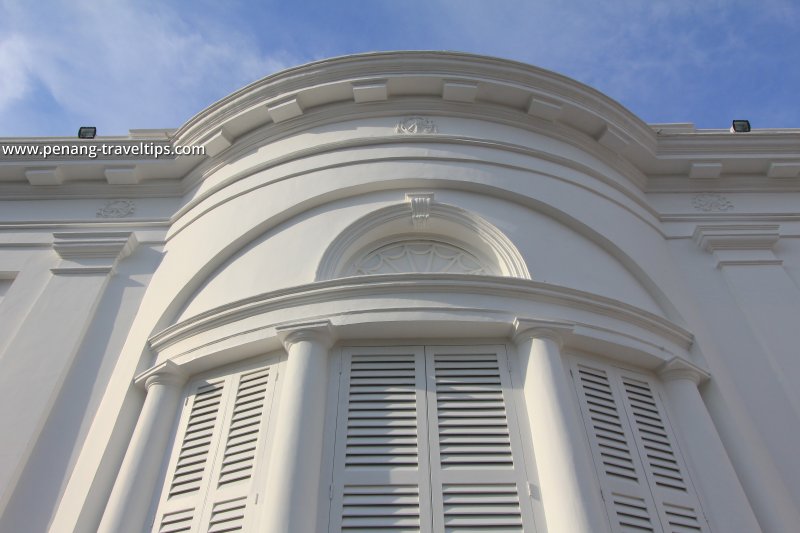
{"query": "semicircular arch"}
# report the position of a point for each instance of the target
(443, 224)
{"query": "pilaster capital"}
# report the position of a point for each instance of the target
(167, 373)
(320, 331)
(739, 244)
(92, 252)
(677, 368)
(525, 329)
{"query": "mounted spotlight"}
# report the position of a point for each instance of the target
(740, 126)
(87, 132)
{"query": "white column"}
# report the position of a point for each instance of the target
(135, 487)
(296, 459)
(726, 505)
(570, 494)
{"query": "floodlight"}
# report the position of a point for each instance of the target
(740, 126)
(87, 132)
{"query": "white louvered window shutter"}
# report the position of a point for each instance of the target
(477, 474)
(643, 478)
(427, 440)
(221, 433)
(381, 457)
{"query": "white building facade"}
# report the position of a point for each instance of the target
(405, 291)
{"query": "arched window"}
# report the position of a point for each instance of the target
(443, 239)
(418, 256)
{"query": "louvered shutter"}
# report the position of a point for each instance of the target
(381, 458)
(427, 440)
(643, 479)
(677, 503)
(190, 469)
(210, 477)
(477, 474)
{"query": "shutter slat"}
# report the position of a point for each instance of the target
(388, 413)
(196, 441)
(381, 507)
(457, 373)
(227, 516)
(214, 460)
(176, 521)
(474, 468)
(627, 497)
(379, 458)
(238, 459)
(634, 448)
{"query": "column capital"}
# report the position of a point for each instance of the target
(524, 329)
(320, 331)
(167, 373)
(677, 368)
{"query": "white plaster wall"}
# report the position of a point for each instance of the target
(289, 254)
(750, 396)
(63, 436)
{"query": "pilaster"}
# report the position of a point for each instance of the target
(34, 366)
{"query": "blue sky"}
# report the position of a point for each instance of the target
(123, 64)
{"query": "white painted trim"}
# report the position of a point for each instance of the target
(396, 221)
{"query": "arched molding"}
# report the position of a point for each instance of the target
(443, 223)
(431, 305)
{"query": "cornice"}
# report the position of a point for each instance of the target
(381, 285)
(363, 84)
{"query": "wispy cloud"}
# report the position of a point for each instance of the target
(121, 66)
(670, 60)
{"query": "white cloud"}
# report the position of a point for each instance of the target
(14, 61)
(124, 64)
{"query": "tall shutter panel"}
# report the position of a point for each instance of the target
(190, 467)
(209, 484)
(477, 475)
(623, 481)
(642, 477)
(677, 503)
(381, 465)
(243, 428)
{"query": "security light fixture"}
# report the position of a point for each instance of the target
(87, 132)
(740, 126)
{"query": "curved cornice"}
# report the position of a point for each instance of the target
(443, 83)
(554, 95)
(404, 285)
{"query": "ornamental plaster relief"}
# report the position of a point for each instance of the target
(710, 202)
(117, 209)
(416, 125)
(418, 257)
